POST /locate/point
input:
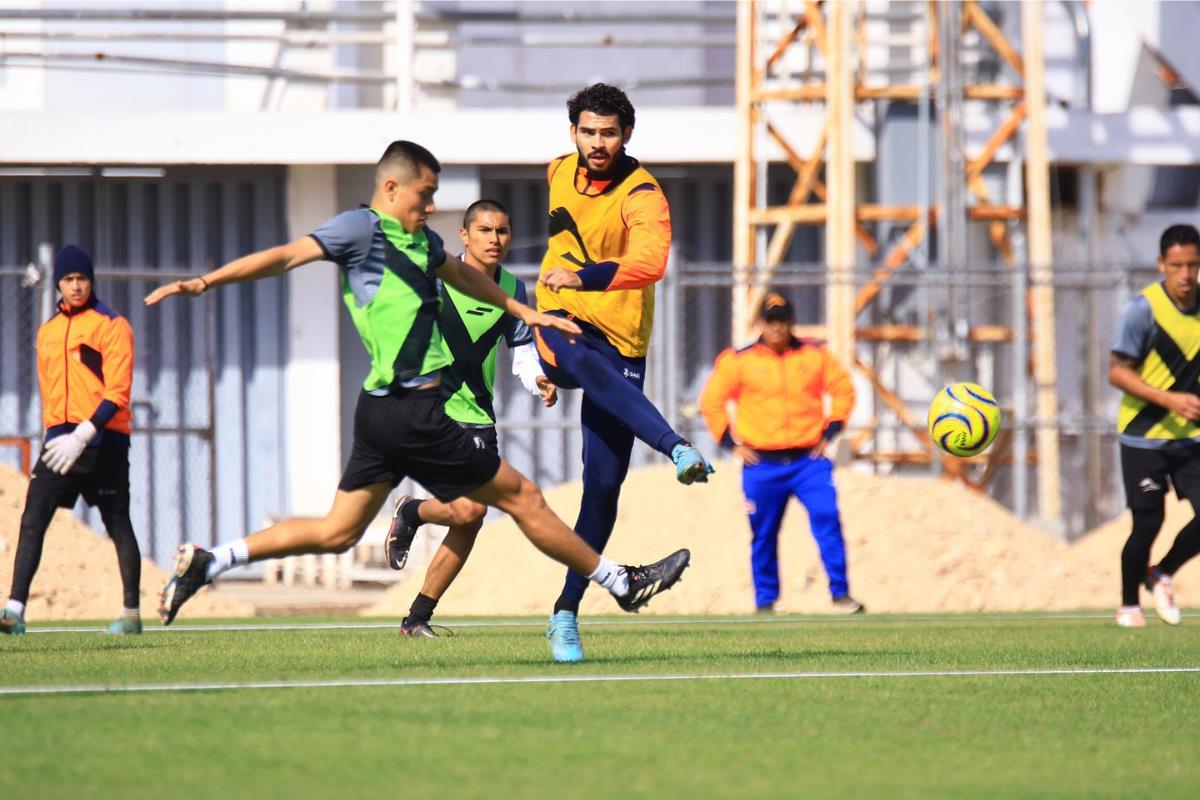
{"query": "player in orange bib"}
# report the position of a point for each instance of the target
(609, 237)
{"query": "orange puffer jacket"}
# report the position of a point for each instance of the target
(85, 369)
(780, 397)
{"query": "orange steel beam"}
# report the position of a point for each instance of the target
(22, 445)
(814, 92)
(898, 407)
(896, 258)
(783, 45)
(1006, 131)
(977, 17)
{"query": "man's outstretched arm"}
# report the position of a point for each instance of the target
(474, 283)
(256, 266)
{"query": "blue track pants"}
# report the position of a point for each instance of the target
(768, 486)
(613, 413)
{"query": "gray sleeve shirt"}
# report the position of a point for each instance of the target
(1135, 336)
(346, 239)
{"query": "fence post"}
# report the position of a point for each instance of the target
(1020, 383)
(45, 264)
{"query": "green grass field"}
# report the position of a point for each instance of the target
(1019, 706)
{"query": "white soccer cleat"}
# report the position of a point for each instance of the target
(1131, 617)
(1163, 589)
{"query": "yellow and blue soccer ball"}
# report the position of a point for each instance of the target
(964, 419)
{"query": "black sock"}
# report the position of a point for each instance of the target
(421, 609)
(1135, 556)
(564, 603)
(1186, 546)
(410, 513)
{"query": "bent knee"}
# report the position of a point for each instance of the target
(527, 499)
(467, 512)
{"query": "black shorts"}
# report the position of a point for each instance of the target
(1147, 473)
(486, 435)
(101, 475)
(408, 435)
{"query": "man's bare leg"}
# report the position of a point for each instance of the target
(336, 532)
(521, 499)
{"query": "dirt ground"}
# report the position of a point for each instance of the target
(78, 577)
(913, 545)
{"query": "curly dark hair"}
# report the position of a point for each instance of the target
(602, 99)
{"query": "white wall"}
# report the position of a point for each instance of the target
(313, 413)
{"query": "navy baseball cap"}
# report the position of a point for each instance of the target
(776, 308)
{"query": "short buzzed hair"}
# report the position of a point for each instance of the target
(403, 160)
(480, 207)
(1178, 235)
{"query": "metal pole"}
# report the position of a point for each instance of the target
(744, 191)
(1094, 368)
(1037, 190)
(1020, 384)
(45, 257)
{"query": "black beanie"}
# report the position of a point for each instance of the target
(72, 259)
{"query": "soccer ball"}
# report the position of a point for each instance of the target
(964, 419)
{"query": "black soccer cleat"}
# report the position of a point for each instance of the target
(417, 630)
(191, 575)
(647, 581)
(399, 536)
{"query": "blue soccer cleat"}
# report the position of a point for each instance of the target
(124, 627)
(690, 466)
(13, 624)
(563, 633)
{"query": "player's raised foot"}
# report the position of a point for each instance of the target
(690, 466)
(417, 630)
(1163, 589)
(647, 581)
(848, 605)
(563, 633)
(12, 623)
(191, 574)
(124, 627)
(399, 536)
(1131, 617)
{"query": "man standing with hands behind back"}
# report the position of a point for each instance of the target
(780, 433)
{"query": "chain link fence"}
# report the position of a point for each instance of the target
(925, 329)
(172, 460)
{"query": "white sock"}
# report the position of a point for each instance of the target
(132, 614)
(15, 606)
(611, 576)
(227, 556)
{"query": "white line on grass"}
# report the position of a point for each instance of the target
(525, 623)
(349, 683)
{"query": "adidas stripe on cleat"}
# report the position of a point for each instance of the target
(651, 579)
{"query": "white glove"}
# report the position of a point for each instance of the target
(61, 453)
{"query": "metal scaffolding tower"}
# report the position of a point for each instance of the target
(812, 56)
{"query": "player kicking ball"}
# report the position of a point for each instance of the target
(390, 264)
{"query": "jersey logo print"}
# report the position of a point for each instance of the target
(479, 311)
(561, 221)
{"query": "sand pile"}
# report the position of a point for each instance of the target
(913, 544)
(78, 577)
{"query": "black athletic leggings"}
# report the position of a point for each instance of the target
(1135, 557)
(103, 480)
